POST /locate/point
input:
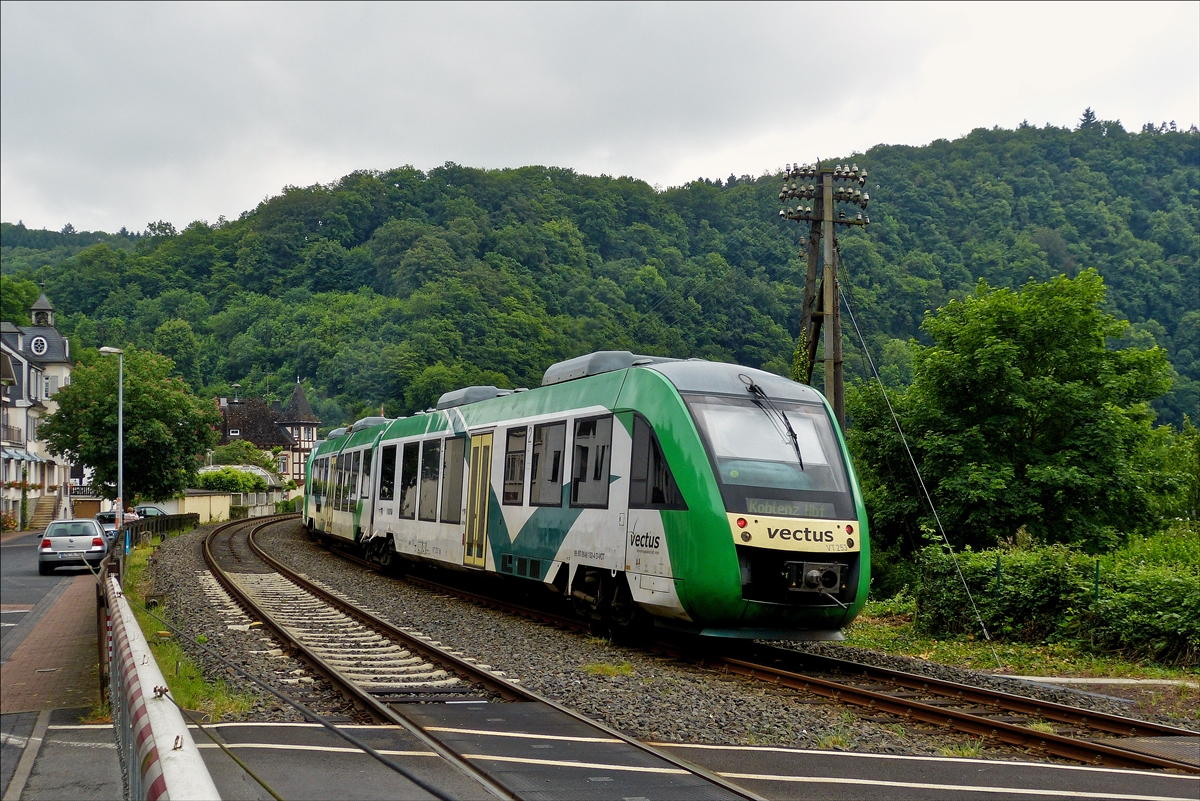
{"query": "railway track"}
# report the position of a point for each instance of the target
(1084, 735)
(403, 677)
(1059, 730)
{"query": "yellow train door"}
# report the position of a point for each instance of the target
(475, 539)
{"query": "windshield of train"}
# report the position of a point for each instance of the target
(774, 458)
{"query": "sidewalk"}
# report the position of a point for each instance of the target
(55, 666)
(12, 535)
(47, 685)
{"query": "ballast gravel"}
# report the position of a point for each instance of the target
(202, 611)
(647, 696)
(651, 697)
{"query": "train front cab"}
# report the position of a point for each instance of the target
(774, 541)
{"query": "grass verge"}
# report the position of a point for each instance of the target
(187, 682)
(889, 627)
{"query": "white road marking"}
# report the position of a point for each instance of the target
(861, 755)
(523, 735)
(69, 744)
(965, 788)
(560, 763)
(12, 739)
(328, 749)
(263, 723)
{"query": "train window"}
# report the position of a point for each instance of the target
(387, 474)
(454, 462)
(651, 485)
(431, 458)
(331, 486)
(408, 481)
(514, 467)
(356, 466)
(593, 449)
(368, 457)
(339, 467)
(546, 464)
(347, 472)
(760, 467)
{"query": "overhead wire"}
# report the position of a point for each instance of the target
(912, 459)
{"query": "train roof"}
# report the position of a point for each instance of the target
(594, 380)
(720, 378)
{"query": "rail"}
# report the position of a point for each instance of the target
(761, 667)
(431, 651)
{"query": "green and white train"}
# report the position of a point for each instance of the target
(717, 499)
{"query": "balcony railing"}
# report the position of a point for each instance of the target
(13, 435)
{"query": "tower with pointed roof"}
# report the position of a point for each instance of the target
(42, 312)
(299, 420)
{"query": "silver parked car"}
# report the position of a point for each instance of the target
(71, 543)
(108, 522)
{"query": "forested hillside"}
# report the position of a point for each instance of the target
(387, 289)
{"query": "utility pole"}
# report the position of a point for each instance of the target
(816, 183)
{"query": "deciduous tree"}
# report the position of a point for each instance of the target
(167, 428)
(1021, 413)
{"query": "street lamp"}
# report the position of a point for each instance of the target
(107, 351)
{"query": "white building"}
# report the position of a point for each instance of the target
(35, 362)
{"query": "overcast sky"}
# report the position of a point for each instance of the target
(115, 114)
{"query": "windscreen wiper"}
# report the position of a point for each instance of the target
(759, 397)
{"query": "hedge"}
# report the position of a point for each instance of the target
(1147, 604)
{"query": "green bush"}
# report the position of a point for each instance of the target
(1147, 605)
(1036, 589)
(229, 480)
(289, 506)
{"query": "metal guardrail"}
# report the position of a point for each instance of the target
(158, 755)
(140, 531)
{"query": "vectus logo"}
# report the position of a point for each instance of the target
(808, 534)
(644, 540)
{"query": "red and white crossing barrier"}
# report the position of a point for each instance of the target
(160, 758)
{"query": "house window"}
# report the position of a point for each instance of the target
(235, 432)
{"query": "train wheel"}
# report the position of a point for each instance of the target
(590, 592)
(625, 618)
